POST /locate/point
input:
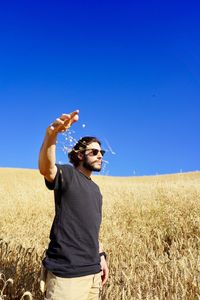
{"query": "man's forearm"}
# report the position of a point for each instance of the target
(100, 247)
(47, 156)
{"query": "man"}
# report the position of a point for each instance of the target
(75, 263)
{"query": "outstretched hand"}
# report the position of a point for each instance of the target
(63, 123)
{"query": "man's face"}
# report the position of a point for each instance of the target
(93, 157)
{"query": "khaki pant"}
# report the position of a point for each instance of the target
(78, 288)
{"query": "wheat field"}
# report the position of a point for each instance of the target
(150, 231)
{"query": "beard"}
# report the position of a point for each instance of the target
(89, 166)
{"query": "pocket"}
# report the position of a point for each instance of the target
(98, 280)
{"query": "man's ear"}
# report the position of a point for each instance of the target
(80, 156)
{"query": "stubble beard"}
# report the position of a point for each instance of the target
(90, 167)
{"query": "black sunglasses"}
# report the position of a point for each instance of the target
(96, 151)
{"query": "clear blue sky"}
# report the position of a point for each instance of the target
(132, 68)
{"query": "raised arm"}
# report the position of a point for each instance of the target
(47, 156)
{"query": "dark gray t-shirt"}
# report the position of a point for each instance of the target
(74, 248)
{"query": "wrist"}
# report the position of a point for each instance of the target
(102, 254)
(51, 135)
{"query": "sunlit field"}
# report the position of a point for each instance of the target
(150, 231)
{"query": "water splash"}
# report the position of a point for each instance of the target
(67, 140)
(109, 147)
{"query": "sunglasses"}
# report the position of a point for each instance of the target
(94, 152)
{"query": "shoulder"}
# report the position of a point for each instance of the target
(65, 167)
(65, 171)
(62, 178)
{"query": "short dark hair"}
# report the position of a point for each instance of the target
(80, 147)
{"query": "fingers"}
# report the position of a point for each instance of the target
(63, 123)
(71, 118)
(104, 276)
(72, 115)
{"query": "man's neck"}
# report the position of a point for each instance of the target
(84, 171)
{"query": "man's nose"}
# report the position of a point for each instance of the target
(99, 155)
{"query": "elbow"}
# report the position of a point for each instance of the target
(41, 168)
(48, 173)
(42, 172)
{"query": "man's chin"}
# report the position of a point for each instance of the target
(92, 168)
(97, 169)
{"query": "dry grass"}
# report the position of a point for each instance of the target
(150, 230)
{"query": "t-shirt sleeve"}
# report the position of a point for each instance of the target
(54, 185)
(62, 177)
